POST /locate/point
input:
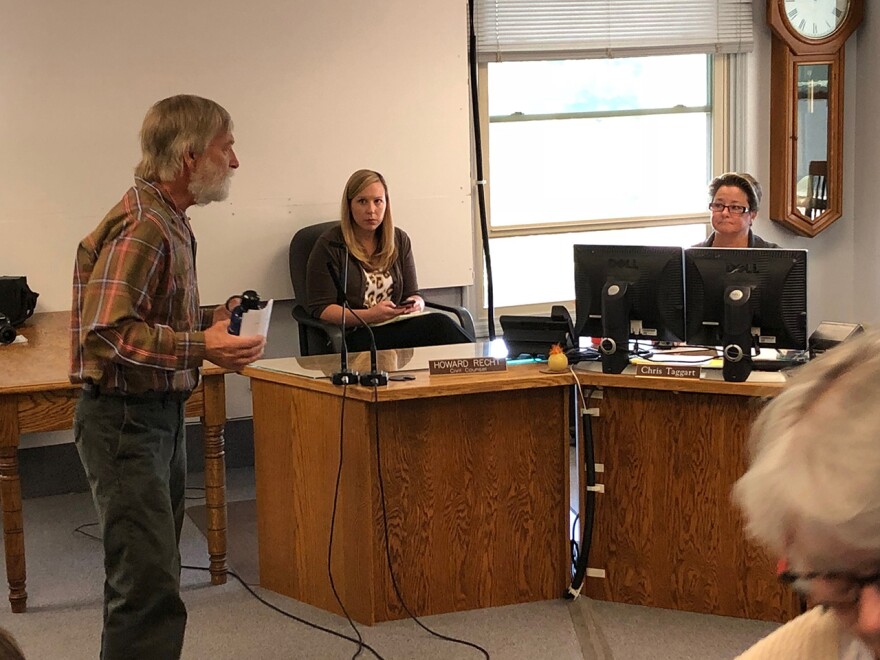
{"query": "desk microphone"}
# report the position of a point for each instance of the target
(344, 376)
(375, 377)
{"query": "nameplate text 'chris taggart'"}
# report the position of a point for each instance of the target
(473, 365)
(667, 371)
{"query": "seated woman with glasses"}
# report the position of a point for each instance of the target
(375, 263)
(812, 496)
(735, 198)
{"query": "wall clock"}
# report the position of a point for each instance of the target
(806, 110)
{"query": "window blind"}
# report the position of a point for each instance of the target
(572, 29)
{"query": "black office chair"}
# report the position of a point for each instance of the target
(315, 336)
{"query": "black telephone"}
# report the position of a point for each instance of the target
(561, 313)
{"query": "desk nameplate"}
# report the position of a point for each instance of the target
(468, 365)
(668, 371)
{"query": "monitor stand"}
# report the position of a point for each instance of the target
(736, 340)
(614, 347)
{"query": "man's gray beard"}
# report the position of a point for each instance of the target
(210, 185)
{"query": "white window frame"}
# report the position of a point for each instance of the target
(727, 101)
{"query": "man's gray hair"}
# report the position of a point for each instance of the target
(815, 451)
(174, 127)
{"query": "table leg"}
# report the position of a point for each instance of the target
(213, 423)
(10, 500)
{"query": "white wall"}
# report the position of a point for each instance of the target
(316, 91)
(866, 194)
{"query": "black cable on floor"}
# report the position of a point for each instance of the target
(79, 530)
(412, 616)
(288, 614)
(360, 642)
(357, 632)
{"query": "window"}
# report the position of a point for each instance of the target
(603, 123)
(593, 151)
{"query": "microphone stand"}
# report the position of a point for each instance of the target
(344, 376)
(375, 377)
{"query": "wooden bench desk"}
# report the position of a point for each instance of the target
(36, 396)
(474, 483)
(666, 532)
(477, 494)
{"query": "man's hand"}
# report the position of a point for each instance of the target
(221, 313)
(231, 351)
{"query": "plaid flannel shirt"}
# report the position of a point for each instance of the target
(135, 323)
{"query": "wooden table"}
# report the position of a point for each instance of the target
(666, 533)
(474, 485)
(36, 396)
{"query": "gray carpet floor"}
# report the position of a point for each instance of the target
(64, 608)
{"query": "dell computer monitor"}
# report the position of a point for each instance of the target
(625, 292)
(741, 299)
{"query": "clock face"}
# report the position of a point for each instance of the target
(815, 19)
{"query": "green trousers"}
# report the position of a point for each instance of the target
(133, 449)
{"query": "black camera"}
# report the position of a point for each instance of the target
(7, 330)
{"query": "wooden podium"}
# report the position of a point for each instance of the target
(473, 486)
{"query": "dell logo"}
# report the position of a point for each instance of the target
(623, 263)
(742, 268)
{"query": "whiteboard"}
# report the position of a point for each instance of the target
(316, 90)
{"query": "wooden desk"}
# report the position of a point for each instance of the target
(36, 396)
(666, 533)
(476, 490)
(475, 473)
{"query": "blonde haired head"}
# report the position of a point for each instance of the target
(385, 253)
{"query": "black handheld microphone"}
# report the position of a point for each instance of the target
(344, 376)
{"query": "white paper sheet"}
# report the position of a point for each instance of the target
(256, 321)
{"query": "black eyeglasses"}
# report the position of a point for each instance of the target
(735, 209)
(836, 589)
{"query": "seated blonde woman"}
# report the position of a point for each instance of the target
(381, 278)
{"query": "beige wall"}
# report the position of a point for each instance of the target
(316, 90)
(850, 246)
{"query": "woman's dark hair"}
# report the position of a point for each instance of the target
(742, 180)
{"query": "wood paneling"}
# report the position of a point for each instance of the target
(666, 531)
(475, 493)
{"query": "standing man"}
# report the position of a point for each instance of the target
(138, 338)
